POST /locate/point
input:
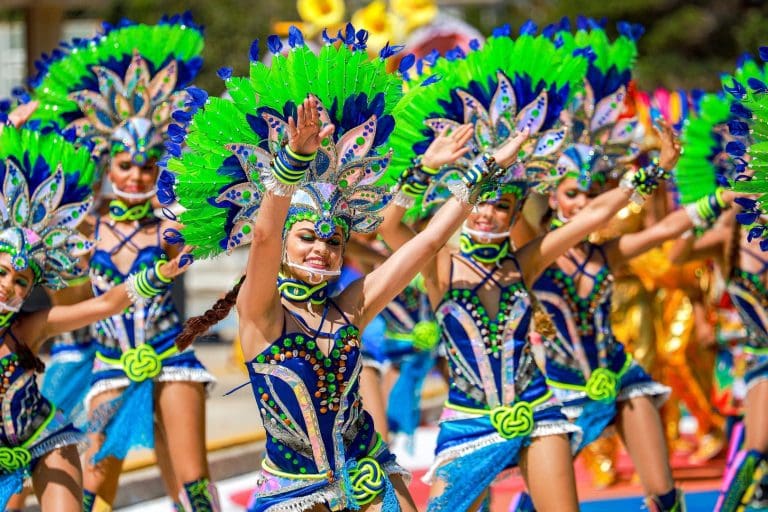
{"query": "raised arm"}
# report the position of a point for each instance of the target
(258, 303)
(42, 325)
(626, 247)
(710, 245)
(542, 252)
(372, 293)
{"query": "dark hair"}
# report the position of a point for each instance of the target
(197, 325)
(27, 358)
(732, 251)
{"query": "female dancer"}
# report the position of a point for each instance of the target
(597, 382)
(744, 267)
(499, 412)
(302, 346)
(46, 186)
(122, 103)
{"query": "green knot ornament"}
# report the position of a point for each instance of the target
(425, 335)
(366, 480)
(513, 421)
(603, 384)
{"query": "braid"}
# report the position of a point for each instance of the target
(197, 325)
(733, 251)
(27, 358)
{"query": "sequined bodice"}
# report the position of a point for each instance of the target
(23, 407)
(310, 402)
(156, 322)
(750, 297)
(490, 358)
(584, 339)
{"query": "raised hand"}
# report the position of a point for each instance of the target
(448, 147)
(22, 113)
(177, 265)
(305, 132)
(670, 145)
(506, 155)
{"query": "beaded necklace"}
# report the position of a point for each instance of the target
(331, 370)
(583, 307)
(8, 365)
(490, 329)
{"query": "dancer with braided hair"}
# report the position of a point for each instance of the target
(118, 91)
(293, 174)
(46, 194)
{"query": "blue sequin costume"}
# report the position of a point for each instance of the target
(498, 398)
(586, 367)
(31, 425)
(750, 297)
(405, 317)
(67, 375)
(134, 349)
(321, 445)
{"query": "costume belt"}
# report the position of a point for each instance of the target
(140, 363)
(603, 384)
(14, 458)
(510, 421)
(363, 479)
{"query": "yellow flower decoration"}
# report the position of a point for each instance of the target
(319, 14)
(382, 25)
(416, 13)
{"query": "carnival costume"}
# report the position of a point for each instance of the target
(118, 92)
(747, 289)
(321, 446)
(498, 399)
(45, 195)
(587, 369)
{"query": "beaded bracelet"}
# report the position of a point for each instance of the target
(145, 284)
(289, 170)
(706, 210)
(643, 181)
(476, 179)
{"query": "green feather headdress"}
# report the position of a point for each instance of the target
(503, 86)
(602, 139)
(704, 161)
(220, 180)
(46, 193)
(118, 90)
(749, 126)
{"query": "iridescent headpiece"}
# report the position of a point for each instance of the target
(502, 86)
(118, 90)
(46, 194)
(602, 139)
(220, 180)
